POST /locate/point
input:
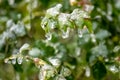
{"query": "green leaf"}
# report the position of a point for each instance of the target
(89, 25)
(98, 70)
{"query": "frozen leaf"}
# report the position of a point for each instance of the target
(77, 14)
(79, 23)
(63, 20)
(54, 11)
(7, 35)
(100, 50)
(20, 60)
(13, 61)
(116, 49)
(18, 29)
(26, 46)
(9, 24)
(46, 72)
(65, 71)
(35, 52)
(55, 62)
(102, 34)
(52, 24)
(89, 8)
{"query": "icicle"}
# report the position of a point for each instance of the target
(80, 34)
(65, 34)
(48, 36)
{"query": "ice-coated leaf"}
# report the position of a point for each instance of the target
(18, 29)
(26, 46)
(100, 50)
(20, 60)
(35, 52)
(9, 23)
(46, 72)
(65, 71)
(54, 11)
(7, 35)
(55, 62)
(52, 24)
(64, 20)
(102, 34)
(77, 14)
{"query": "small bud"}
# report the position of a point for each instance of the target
(73, 2)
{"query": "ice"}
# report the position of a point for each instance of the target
(20, 60)
(55, 62)
(87, 73)
(48, 36)
(65, 34)
(13, 61)
(93, 37)
(80, 34)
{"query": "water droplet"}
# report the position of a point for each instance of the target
(80, 34)
(48, 36)
(87, 73)
(13, 61)
(20, 60)
(65, 34)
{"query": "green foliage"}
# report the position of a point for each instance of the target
(59, 40)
